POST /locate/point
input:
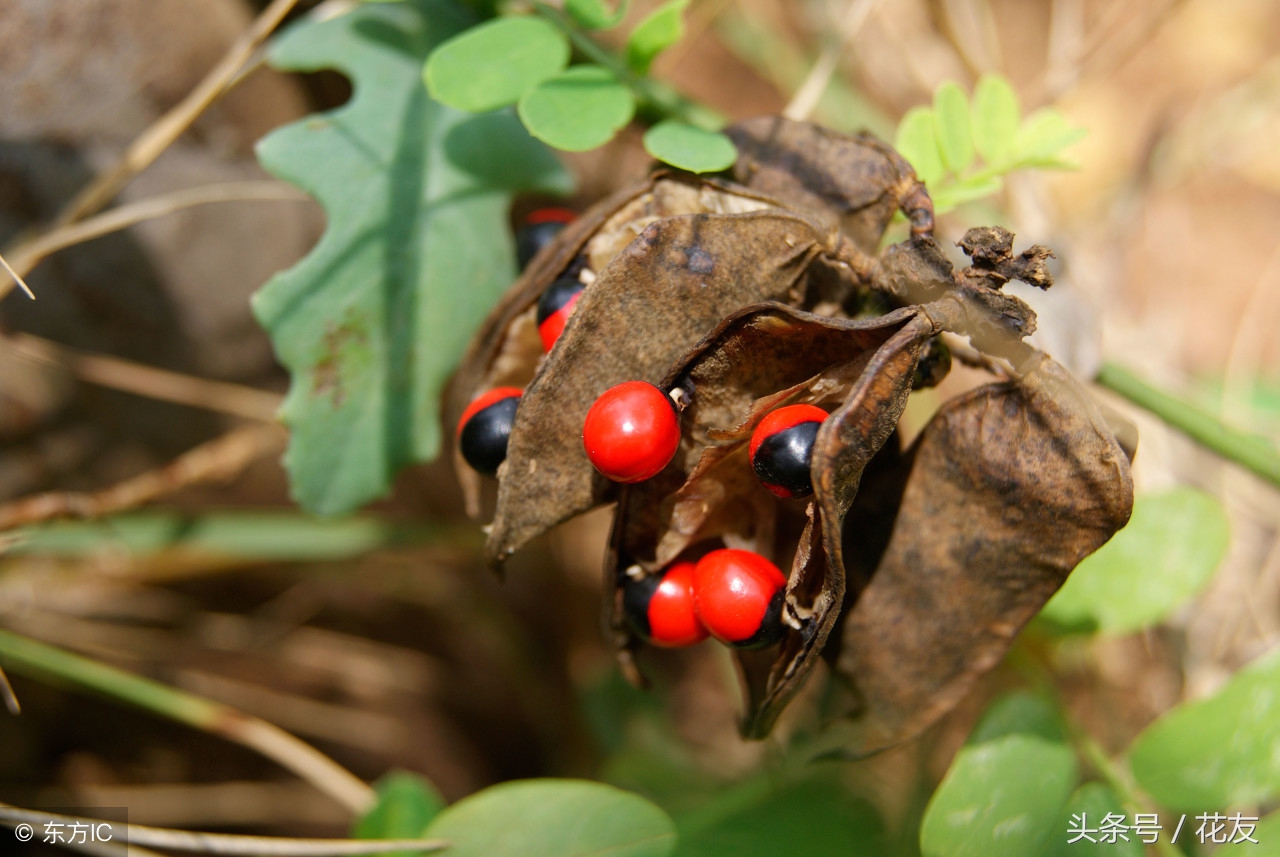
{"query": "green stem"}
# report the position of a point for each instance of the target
(1250, 451)
(653, 94)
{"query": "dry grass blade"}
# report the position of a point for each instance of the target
(218, 459)
(223, 843)
(10, 698)
(810, 92)
(151, 382)
(41, 661)
(28, 255)
(17, 278)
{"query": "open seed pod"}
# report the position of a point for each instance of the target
(740, 300)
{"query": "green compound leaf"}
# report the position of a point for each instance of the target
(1167, 553)
(579, 109)
(406, 805)
(554, 818)
(1266, 836)
(1042, 136)
(494, 64)
(594, 14)
(951, 124)
(372, 322)
(1218, 752)
(917, 142)
(994, 119)
(654, 35)
(1005, 789)
(1087, 810)
(690, 148)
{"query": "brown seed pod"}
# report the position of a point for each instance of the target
(911, 571)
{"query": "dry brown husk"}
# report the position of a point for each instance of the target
(912, 571)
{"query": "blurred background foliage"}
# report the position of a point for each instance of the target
(381, 639)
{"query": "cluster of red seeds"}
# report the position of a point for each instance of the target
(630, 434)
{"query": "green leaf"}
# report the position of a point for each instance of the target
(654, 35)
(951, 124)
(917, 142)
(406, 805)
(1266, 836)
(690, 148)
(953, 194)
(817, 817)
(494, 64)
(579, 109)
(1003, 796)
(594, 14)
(554, 818)
(1217, 752)
(1042, 136)
(1167, 553)
(995, 119)
(1086, 810)
(373, 321)
(1018, 713)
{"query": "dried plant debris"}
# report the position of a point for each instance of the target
(910, 571)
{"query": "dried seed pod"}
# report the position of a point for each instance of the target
(1015, 483)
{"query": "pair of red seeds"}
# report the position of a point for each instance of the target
(732, 595)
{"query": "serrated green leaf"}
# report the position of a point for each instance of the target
(1086, 811)
(372, 322)
(917, 142)
(654, 35)
(494, 64)
(578, 110)
(1003, 796)
(595, 14)
(406, 805)
(1042, 135)
(554, 818)
(1217, 752)
(951, 125)
(994, 119)
(1265, 836)
(953, 194)
(689, 148)
(817, 817)
(1167, 553)
(1018, 713)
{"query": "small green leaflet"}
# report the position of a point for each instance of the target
(690, 148)
(1081, 829)
(654, 35)
(579, 109)
(951, 124)
(1218, 752)
(554, 818)
(406, 805)
(373, 321)
(494, 64)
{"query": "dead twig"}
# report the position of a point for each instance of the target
(217, 460)
(27, 255)
(151, 382)
(17, 278)
(10, 698)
